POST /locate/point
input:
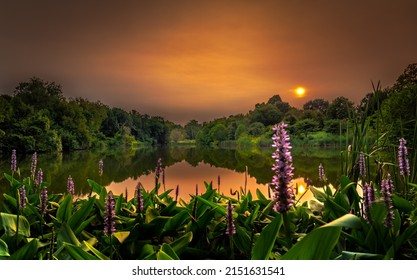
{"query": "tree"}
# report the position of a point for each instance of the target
(191, 129)
(218, 132)
(317, 105)
(339, 108)
(267, 114)
(406, 79)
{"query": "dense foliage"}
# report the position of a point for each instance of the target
(37, 117)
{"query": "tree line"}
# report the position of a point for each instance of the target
(391, 110)
(37, 117)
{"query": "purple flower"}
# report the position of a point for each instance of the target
(403, 163)
(386, 190)
(139, 197)
(23, 198)
(33, 167)
(218, 183)
(322, 175)
(196, 189)
(39, 180)
(109, 213)
(70, 186)
(362, 167)
(230, 225)
(14, 161)
(44, 198)
(158, 169)
(281, 181)
(368, 198)
(100, 168)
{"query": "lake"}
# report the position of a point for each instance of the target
(184, 166)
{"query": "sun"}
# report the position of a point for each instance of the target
(300, 91)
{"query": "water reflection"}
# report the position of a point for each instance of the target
(186, 167)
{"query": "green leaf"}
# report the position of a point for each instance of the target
(316, 245)
(345, 183)
(77, 253)
(348, 221)
(408, 233)
(319, 243)
(378, 211)
(175, 222)
(220, 209)
(402, 204)
(4, 250)
(96, 252)
(66, 235)
(346, 255)
(179, 244)
(319, 195)
(27, 252)
(121, 236)
(64, 211)
(97, 188)
(161, 255)
(76, 220)
(9, 223)
(118, 204)
(242, 240)
(165, 248)
(84, 224)
(260, 195)
(10, 199)
(264, 244)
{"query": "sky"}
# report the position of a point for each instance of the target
(203, 60)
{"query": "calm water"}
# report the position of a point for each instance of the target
(185, 167)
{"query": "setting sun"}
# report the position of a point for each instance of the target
(300, 91)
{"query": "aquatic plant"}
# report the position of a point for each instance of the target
(33, 166)
(109, 213)
(387, 188)
(281, 181)
(139, 197)
(22, 196)
(230, 225)
(13, 165)
(70, 185)
(403, 162)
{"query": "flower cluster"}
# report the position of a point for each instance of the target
(43, 198)
(109, 213)
(13, 166)
(23, 198)
(139, 197)
(70, 186)
(281, 181)
(387, 187)
(39, 179)
(33, 166)
(230, 225)
(368, 198)
(403, 163)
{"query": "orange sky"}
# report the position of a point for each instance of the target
(205, 59)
